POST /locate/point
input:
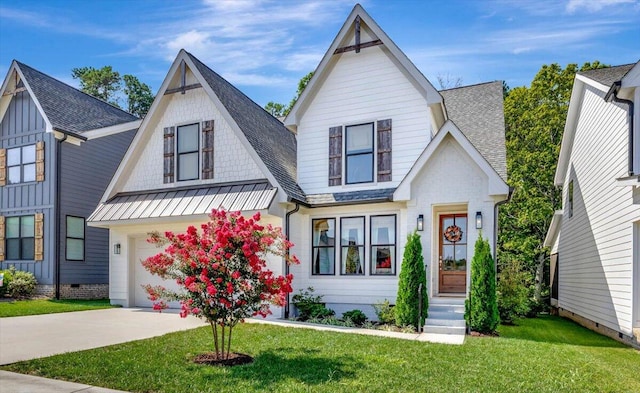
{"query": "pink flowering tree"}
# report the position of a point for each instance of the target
(222, 272)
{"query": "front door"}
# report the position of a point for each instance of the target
(453, 253)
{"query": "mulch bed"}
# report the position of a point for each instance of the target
(478, 334)
(235, 359)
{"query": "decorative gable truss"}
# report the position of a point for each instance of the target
(22, 164)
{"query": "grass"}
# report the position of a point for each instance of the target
(20, 308)
(547, 354)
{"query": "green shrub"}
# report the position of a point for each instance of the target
(513, 292)
(481, 309)
(355, 316)
(8, 275)
(23, 284)
(385, 312)
(411, 276)
(310, 306)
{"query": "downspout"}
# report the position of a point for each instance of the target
(57, 215)
(612, 95)
(287, 232)
(496, 227)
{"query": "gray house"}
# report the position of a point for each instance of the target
(59, 148)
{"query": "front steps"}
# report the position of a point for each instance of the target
(446, 316)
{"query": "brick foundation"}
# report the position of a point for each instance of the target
(633, 341)
(79, 291)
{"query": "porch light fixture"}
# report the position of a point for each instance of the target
(116, 248)
(420, 222)
(478, 220)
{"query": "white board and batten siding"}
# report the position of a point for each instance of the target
(362, 88)
(232, 162)
(595, 245)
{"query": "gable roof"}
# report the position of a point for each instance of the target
(609, 75)
(424, 86)
(272, 141)
(478, 112)
(67, 108)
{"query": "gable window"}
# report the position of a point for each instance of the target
(20, 238)
(383, 245)
(359, 153)
(188, 152)
(570, 198)
(21, 164)
(352, 245)
(324, 249)
(75, 239)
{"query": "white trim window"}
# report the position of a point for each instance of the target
(21, 164)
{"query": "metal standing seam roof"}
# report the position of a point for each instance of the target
(351, 197)
(185, 202)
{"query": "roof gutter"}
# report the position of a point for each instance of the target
(286, 263)
(69, 133)
(496, 207)
(612, 95)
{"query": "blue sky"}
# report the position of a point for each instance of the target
(265, 46)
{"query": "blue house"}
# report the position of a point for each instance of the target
(59, 148)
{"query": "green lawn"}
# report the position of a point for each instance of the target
(20, 308)
(547, 354)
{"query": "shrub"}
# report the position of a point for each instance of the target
(310, 306)
(481, 309)
(411, 276)
(513, 292)
(23, 284)
(385, 312)
(355, 316)
(6, 280)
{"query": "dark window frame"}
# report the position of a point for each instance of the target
(318, 248)
(22, 164)
(67, 237)
(347, 155)
(394, 245)
(570, 198)
(363, 246)
(21, 239)
(196, 152)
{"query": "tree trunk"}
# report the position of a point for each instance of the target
(539, 278)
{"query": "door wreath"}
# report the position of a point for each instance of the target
(453, 233)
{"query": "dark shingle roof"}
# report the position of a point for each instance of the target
(351, 197)
(608, 76)
(272, 141)
(68, 108)
(478, 112)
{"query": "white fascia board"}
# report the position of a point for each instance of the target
(497, 186)
(111, 130)
(554, 229)
(575, 105)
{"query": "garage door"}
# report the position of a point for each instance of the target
(143, 250)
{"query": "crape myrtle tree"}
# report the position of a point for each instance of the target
(412, 275)
(222, 272)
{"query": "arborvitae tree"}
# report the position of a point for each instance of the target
(482, 305)
(412, 275)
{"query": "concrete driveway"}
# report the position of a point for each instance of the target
(23, 338)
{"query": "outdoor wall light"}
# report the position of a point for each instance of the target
(116, 248)
(420, 222)
(478, 220)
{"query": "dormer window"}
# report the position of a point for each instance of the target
(359, 153)
(188, 150)
(188, 153)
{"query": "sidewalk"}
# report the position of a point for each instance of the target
(21, 383)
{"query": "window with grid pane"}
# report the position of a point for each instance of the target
(75, 239)
(20, 238)
(188, 152)
(359, 153)
(21, 164)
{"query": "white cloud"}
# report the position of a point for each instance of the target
(593, 5)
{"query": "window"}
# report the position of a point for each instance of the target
(188, 151)
(20, 238)
(383, 245)
(359, 153)
(352, 245)
(75, 239)
(324, 250)
(570, 198)
(21, 164)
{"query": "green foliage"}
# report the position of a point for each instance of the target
(385, 312)
(412, 275)
(310, 306)
(22, 285)
(139, 96)
(6, 280)
(513, 292)
(355, 316)
(481, 309)
(277, 109)
(19, 308)
(534, 119)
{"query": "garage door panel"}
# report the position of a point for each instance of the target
(143, 250)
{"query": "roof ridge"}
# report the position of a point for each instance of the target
(472, 85)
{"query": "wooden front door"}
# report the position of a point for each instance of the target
(453, 253)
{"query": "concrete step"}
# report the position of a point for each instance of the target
(448, 300)
(446, 308)
(444, 329)
(445, 322)
(446, 315)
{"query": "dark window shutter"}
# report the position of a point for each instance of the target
(3, 167)
(207, 149)
(384, 150)
(335, 156)
(169, 165)
(40, 161)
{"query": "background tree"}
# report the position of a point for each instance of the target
(139, 96)
(412, 275)
(534, 119)
(482, 306)
(448, 82)
(278, 110)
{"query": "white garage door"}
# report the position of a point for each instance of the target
(143, 250)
